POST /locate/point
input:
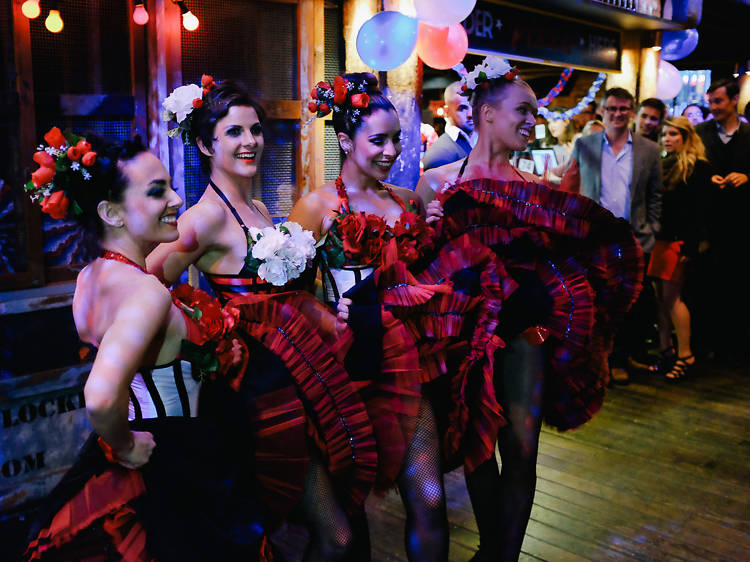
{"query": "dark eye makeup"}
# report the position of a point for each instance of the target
(157, 189)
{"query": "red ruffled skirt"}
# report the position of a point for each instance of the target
(298, 390)
(520, 258)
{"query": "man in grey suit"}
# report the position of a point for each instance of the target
(459, 137)
(622, 172)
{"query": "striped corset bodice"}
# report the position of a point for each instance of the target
(164, 391)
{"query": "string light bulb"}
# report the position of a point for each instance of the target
(140, 15)
(54, 22)
(31, 9)
(189, 21)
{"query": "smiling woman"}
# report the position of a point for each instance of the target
(295, 386)
(136, 475)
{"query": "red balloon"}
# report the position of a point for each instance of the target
(442, 47)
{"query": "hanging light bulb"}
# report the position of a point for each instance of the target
(189, 21)
(54, 22)
(31, 9)
(140, 15)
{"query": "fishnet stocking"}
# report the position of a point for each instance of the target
(421, 487)
(331, 535)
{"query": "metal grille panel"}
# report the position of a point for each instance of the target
(332, 153)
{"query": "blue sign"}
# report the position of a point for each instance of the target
(522, 35)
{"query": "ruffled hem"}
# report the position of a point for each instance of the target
(106, 500)
(303, 333)
(590, 266)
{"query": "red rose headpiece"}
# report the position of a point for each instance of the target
(344, 95)
(61, 161)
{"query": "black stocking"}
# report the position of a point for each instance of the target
(331, 535)
(502, 501)
(421, 487)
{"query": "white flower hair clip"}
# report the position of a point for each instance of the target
(491, 68)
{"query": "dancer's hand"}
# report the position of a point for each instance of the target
(434, 211)
(140, 453)
(343, 309)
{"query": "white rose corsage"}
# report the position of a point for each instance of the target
(279, 253)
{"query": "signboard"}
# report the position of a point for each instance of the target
(43, 423)
(523, 35)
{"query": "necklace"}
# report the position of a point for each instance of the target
(117, 256)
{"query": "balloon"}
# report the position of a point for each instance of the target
(668, 82)
(442, 47)
(386, 40)
(677, 45)
(442, 13)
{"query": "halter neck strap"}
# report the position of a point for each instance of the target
(344, 198)
(117, 256)
(228, 204)
(466, 161)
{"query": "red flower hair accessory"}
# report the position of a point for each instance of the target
(60, 162)
(342, 95)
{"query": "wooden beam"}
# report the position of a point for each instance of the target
(284, 109)
(311, 162)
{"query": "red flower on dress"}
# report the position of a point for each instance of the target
(55, 204)
(413, 237)
(351, 227)
(55, 138)
(377, 235)
(207, 80)
(197, 102)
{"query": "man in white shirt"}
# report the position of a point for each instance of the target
(459, 137)
(622, 172)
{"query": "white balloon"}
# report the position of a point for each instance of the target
(442, 13)
(668, 82)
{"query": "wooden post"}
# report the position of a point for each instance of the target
(356, 12)
(631, 62)
(311, 165)
(27, 141)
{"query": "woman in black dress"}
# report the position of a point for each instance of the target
(687, 178)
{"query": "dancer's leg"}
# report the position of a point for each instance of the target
(331, 535)
(502, 502)
(421, 487)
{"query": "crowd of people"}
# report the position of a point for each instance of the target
(379, 336)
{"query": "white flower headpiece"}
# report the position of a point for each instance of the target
(491, 68)
(179, 105)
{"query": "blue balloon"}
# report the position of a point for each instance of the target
(386, 40)
(677, 45)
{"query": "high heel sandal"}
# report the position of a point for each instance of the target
(681, 368)
(665, 362)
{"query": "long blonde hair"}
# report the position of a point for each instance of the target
(692, 151)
